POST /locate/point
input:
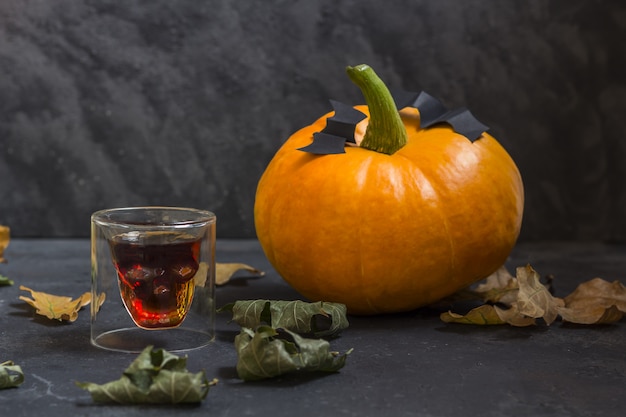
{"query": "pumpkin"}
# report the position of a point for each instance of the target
(405, 218)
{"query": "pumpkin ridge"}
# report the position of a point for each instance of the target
(362, 271)
(443, 216)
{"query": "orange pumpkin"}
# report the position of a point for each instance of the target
(424, 215)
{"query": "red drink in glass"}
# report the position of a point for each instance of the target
(155, 275)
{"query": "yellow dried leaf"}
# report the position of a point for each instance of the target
(594, 302)
(56, 307)
(200, 277)
(225, 271)
(534, 299)
(101, 298)
(5, 237)
(483, 315)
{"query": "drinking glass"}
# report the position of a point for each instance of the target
(152, 278)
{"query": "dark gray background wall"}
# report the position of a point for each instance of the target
(112, 103)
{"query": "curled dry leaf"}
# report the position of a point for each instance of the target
(595, 302)
(534, 299)
(513, 316)
(482, 315)
(268, 352)
(225, 271)
(499, 287)
(5, 237)
(11, 375)
(523, 299)
(524, 296)
(57, 307)
(319, 319)
(154, 377)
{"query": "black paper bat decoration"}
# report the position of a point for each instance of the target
(433, 112)
(340, 127)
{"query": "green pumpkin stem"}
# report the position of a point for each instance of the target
(385, 132)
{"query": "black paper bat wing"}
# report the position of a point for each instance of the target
(339, 130)
(325, 144)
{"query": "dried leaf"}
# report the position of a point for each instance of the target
(513, 316)
(4, 281)
(225, 271)
(594, 302)
(534, 299)
(523, 299)
(154, 377)
(56, 307)
(482, 315)
(500, 287)
(11, 375)
(319, 319)
(268, 352)
(5, 237)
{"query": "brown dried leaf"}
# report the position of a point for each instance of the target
(523, 299)
(534, 299)
(5, 237)
(513, 316)
(594, 302)
(225, 271)
(56, 307)
(483, 315)
(500, 287)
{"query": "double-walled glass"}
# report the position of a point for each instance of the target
(153, 278)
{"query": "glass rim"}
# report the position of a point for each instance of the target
(196, 216)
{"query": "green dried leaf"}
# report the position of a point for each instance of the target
(11, 375)
(154, 377)
(268, 352)
(5, 281)
(318, 319)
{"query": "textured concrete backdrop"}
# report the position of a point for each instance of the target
(111, 103)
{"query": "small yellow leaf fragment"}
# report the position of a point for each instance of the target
(101, 298)
(225, 271)
(5, 237)
(55, 307)
(201, 275)
(594, 302)
(483, 315)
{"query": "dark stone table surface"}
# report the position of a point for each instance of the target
(409, 364)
